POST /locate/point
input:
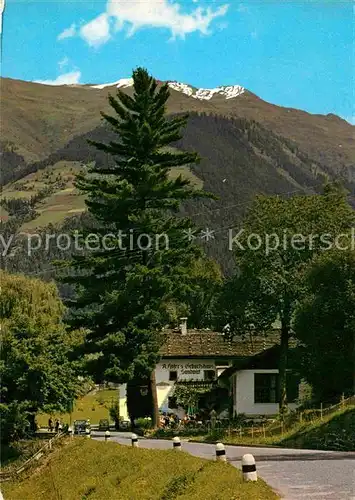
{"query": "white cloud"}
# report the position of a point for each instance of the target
(149, 13)
(97, 31)
(64, 62)
(163, 14)
(67, 33)
(65, 79)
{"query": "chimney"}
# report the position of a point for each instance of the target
(183, 326)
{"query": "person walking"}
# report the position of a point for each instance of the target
(50, 424)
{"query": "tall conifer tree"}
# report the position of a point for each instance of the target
(123, 293)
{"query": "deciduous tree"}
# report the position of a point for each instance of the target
(325, 324)
(279, 239)
(36, 370)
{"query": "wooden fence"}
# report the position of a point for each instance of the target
(275, 427)
(6, 476)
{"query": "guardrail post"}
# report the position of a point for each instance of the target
(249, 468)
(134, 440)
(88, 433)
(107, 436)
(176, 443)
(221, 452)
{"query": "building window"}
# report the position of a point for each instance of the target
(209, 374)
(266, 387)
(173, 376)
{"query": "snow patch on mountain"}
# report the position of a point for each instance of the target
(123, 83)
(229, 92)
(181, 87)
(206, 94)
(202, 94)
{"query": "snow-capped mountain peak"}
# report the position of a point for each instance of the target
(122, 83)
(228, 92)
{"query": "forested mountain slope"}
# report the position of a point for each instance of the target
(247, 147)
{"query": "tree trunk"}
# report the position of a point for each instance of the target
(155, 408)
(285, 331)
(32, 422)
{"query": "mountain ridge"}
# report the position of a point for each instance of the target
(247, 146)
(40, 118)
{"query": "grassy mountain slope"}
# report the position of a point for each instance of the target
(63, 199)
(247, 147)
(39, 119)
(327, 138)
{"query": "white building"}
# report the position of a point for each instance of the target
(254, 384)
(204, 356)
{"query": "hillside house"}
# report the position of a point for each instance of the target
(204, 357)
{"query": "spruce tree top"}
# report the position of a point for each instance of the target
(139, 180)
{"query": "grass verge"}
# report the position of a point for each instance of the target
(334, 432)
(13, 456)
(337, 432)
(92, 470)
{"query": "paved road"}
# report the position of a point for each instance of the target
(294, 474)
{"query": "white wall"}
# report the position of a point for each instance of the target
(187, 369)
(123, 402)
(243, 395)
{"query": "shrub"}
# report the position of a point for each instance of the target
(143, 423)
(114, 412)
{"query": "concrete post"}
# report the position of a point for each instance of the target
(88, 433)
(249, 468)
(134, 439)
(221, 452)
(107, 436)
(176, 443)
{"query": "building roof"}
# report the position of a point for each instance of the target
(266, 359)
(209, 344)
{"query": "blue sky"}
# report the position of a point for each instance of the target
(297, 54)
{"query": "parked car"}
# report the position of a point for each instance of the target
(80, 426)
(125, 424)
(104, 425)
